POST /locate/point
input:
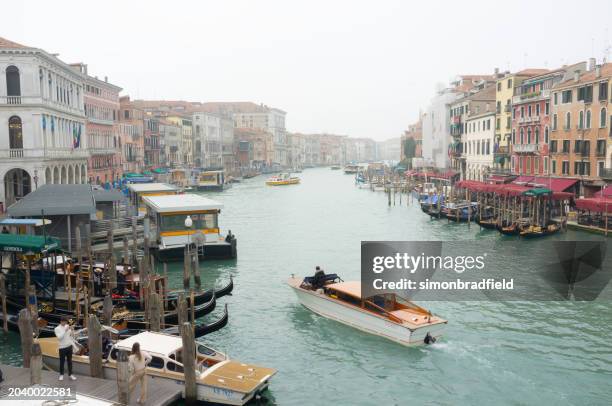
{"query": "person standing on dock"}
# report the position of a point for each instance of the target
(63, 332)
(138, 362)
(97, 280)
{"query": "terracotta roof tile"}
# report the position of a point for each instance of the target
(5, 43)
(531, 72)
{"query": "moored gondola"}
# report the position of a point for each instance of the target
(201, 329)
(535, 231)
(488, 223)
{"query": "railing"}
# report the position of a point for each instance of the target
(103, 151)
(525, 148)
(531, 96)
(606, 173)
(29, 100)
(20, 153)
(502, 150)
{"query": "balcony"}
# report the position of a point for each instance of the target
(529, 120)
(38, 153)
(606, 173)
(29, 101)
(532, 96)
(525, 148)
(502, 150)
(103, 151)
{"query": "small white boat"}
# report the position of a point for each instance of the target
(218, 379)
(386, 315)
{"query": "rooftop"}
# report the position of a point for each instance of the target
(152, 187)
(181, 203)
(61, 200)
(589, 76)
(154, 343)
(5, 43)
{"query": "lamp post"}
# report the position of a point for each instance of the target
(188, 224)
(35, 179)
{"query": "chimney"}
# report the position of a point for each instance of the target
(106, 79)
(496, 72)
(591, 64)
(598, 71)
(576, 75)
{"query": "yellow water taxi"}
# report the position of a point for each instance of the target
(282, 180)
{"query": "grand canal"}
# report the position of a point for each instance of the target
(492, 353)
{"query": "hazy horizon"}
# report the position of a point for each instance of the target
(360, 69)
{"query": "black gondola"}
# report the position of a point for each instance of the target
(489, 223)
(202, 329)
(172, 297)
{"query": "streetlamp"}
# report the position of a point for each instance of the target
(188, 224)
(35, 179)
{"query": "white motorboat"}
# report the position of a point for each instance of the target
(218, 379)
(386, 315)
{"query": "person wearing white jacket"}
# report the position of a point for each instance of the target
(63, 332)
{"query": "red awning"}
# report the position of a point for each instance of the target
(497, 178)
(554, 184)
(607, 192)
(598, 204)
(523, 179)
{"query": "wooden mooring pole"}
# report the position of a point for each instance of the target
(154, 310)
(3, 295)
(123, 378)
(94, 338)
(26, 334)
(36, 364)
(189, 354)
(107, 310)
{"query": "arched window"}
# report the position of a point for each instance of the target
(13, 85)
(15, 133)
(537, 135)
(529, 135)
(513, 136)
(602, 117)
(568, 120)
(546, 135)
(588, 119)
(581, 119)
(522, 136)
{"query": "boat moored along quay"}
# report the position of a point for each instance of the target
(219, 379)
(189, 220)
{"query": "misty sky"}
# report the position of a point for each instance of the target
(362, 68)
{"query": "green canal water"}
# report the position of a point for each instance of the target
(513, 353)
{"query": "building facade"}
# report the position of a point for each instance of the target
(532, 121)
(581, 127)
(101, 109)
(43, 135)
(478, 140)
(131, 135)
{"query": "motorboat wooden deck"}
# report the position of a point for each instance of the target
(386, 315)
(218, 378)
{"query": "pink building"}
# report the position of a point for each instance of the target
(101, 101)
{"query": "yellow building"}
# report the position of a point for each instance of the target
(503, 115)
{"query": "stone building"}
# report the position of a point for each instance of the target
(42, 121)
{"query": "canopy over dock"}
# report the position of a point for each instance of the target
(183, 203)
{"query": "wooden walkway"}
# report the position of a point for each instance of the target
(159, 392)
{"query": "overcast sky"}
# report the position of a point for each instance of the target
(362, 68)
